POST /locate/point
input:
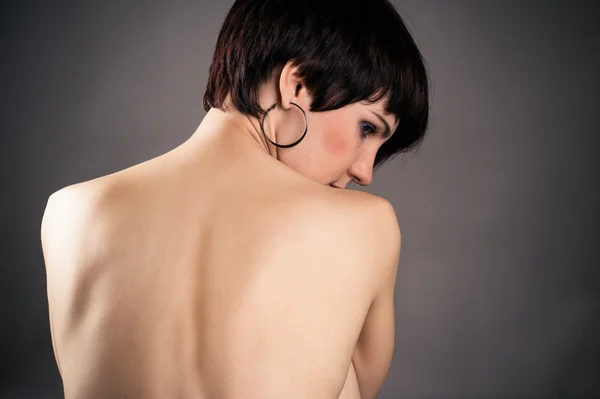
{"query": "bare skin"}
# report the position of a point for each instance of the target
(217, 274)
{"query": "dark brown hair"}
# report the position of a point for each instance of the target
(346, 50)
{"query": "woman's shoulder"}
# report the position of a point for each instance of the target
(348, 214)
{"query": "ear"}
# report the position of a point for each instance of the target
(292, 87)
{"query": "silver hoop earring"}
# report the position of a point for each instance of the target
(262, 126)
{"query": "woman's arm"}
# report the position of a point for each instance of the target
(375, 346)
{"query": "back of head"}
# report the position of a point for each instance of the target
(346, 50)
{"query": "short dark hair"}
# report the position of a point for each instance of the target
(346, 51)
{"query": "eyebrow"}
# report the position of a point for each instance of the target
(387, 132)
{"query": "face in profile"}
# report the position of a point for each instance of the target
(339, 146)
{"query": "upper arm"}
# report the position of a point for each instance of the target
(375, 346)
(61, 235)
(46, 230)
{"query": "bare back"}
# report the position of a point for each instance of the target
(165, 284)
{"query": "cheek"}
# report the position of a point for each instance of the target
(336, 143)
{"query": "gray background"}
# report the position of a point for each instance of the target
(497, 292)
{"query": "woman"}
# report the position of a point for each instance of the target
(236, 265)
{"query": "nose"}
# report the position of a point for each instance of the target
(361, 171)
